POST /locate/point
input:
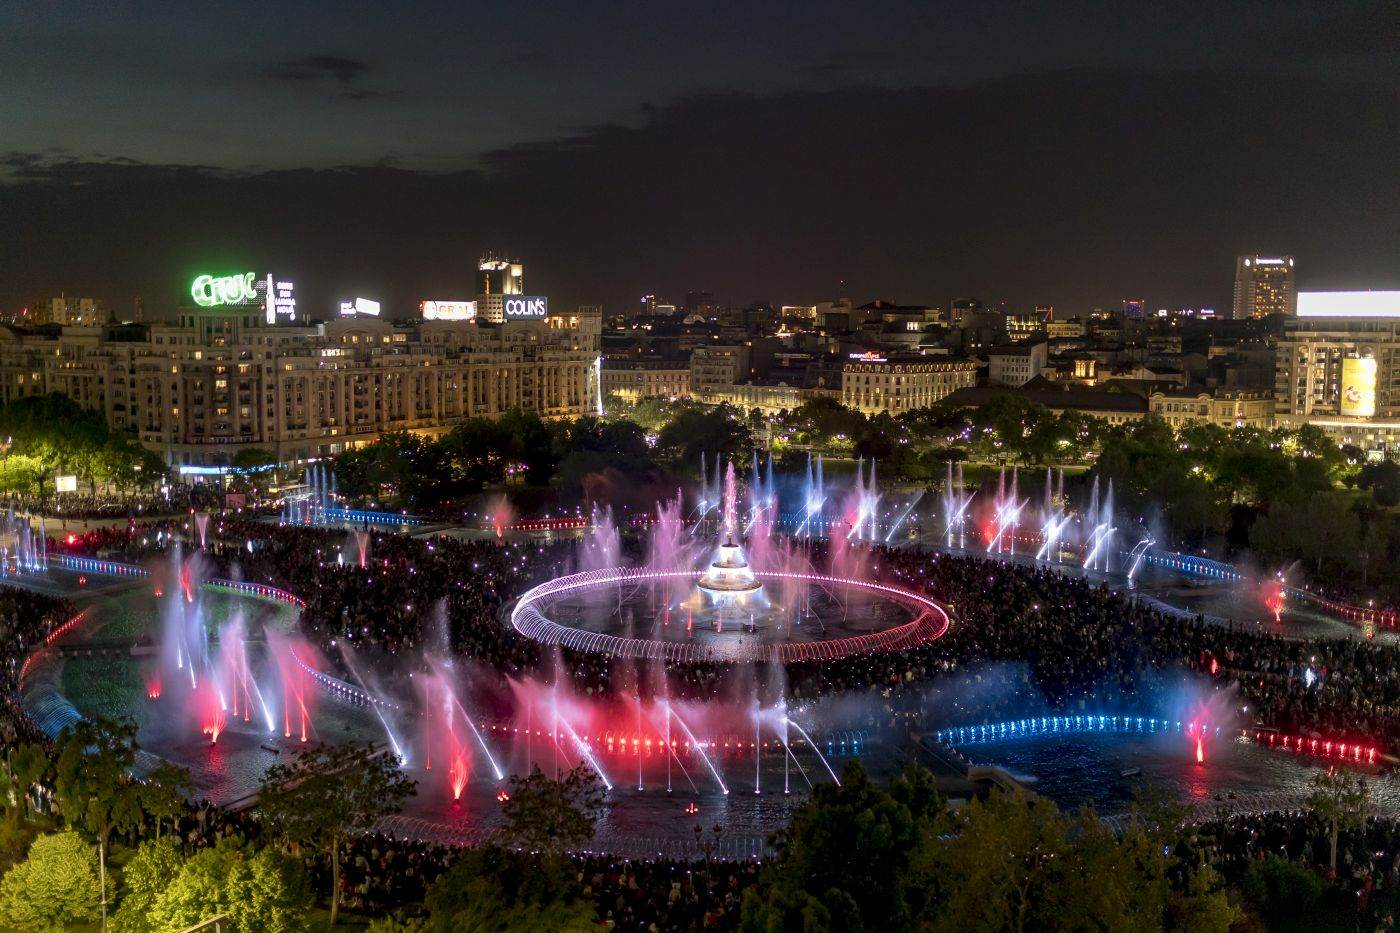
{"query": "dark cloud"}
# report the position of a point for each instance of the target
(364, 95)
(320, 67)
(1370, 31)
(1071, 188)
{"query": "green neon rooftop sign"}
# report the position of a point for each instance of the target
(210, 291)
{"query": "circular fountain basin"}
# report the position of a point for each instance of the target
(675, 616)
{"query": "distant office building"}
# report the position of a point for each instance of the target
(1264, 285)
(958, 308)
(1340, 357)
(1021, 325)
(65, 312)
(496, 278)
(1017, 364)
(700, 303)
(1134, 308)
(716, 367)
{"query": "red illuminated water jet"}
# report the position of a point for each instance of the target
(1272, 594)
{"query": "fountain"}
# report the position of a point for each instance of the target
(1098, 545)
(955, 502)
(729, 578)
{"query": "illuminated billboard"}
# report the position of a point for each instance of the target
(354, 307)
(210, 291)
(442, 310)
(1358, 387)
(246, 288)
(526, 308)
(1349, 304)
(278, 300)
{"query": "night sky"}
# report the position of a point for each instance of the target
(1068, 154)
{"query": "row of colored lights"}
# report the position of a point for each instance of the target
(260, 589)
(529, 621)
(1310, 746)
(615, 743)
(49, 639)
(107, 567)
(547, 524)
(1050, 725)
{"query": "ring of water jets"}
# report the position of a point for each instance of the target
(528, 618)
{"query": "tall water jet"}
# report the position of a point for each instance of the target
(813, 498)
(955, 502)
(1099, 518)
(1053, 520)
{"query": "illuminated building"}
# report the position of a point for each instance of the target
(631, 380)
(1264, 285)
(65, 311)
(872, 383)
(716, 367)
(1017, 364)
(1134, 308)
(1228, 409)
(1339, 359)
(220, 379)
(496, 279)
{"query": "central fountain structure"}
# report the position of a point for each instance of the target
(729, 581)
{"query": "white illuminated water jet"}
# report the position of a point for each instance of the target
(1099, 518)
(955, 502)
(816, 751)
(1007, 514)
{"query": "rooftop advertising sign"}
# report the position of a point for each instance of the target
(211, 291)
(526, 308)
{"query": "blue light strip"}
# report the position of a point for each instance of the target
(1042, 726)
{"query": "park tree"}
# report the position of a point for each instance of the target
(199, 891)
(329, 793)
(152, 870)
(268, 893)
(851, 858)
(490, 889)
(93, 784)
(54, 888)
(552, 816)
(824, 422)
(718, 431)
(164, 792)
(1339, 801)
(1383, 479)
(26, 764)
(1015, 862)
(257, 892)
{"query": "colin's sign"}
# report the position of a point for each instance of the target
(526, 307)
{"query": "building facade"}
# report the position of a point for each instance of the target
(1226, 409)
(897, 385)
(1264, 285)
(1340, 357)
(631, 380)
(1017, 364)
(221, 380)
(716, 367)
(64, 311)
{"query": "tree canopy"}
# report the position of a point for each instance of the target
(330, 792)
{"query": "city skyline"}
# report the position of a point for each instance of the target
(864, 167)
